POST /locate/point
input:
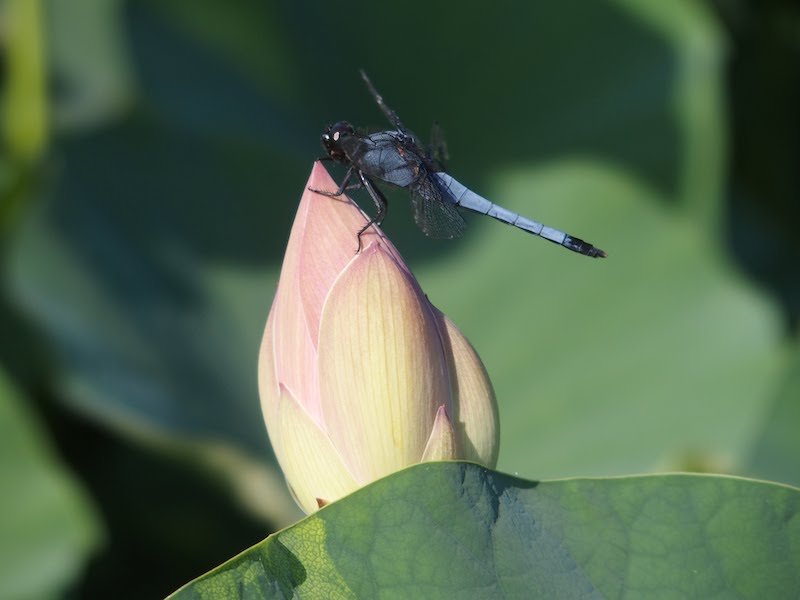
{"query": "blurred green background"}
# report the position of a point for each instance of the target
(153, 154)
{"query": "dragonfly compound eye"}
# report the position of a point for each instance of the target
(340, 131)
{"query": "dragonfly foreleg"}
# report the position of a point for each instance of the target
(342, 188)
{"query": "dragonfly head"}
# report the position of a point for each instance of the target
(332, 139)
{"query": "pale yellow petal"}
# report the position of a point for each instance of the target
(442, 443)
(312, 466)
(474, 411)
(381, 367)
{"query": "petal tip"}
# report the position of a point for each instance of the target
(442, 442)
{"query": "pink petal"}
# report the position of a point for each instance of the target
(294, 353)
(322, 243)
(268, 387)
(330, 242)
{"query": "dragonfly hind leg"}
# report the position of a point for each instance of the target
(380, 201)
(377, 197)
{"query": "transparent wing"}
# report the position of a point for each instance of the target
(437, 149)
(435, 215)
(388, 112)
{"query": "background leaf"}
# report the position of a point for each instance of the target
(47, 522)
(143, 234)
(151, 262)
(651, 359)
(776, 448)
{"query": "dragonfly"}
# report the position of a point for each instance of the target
(396, 157)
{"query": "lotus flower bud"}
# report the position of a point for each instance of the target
(359, 375)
